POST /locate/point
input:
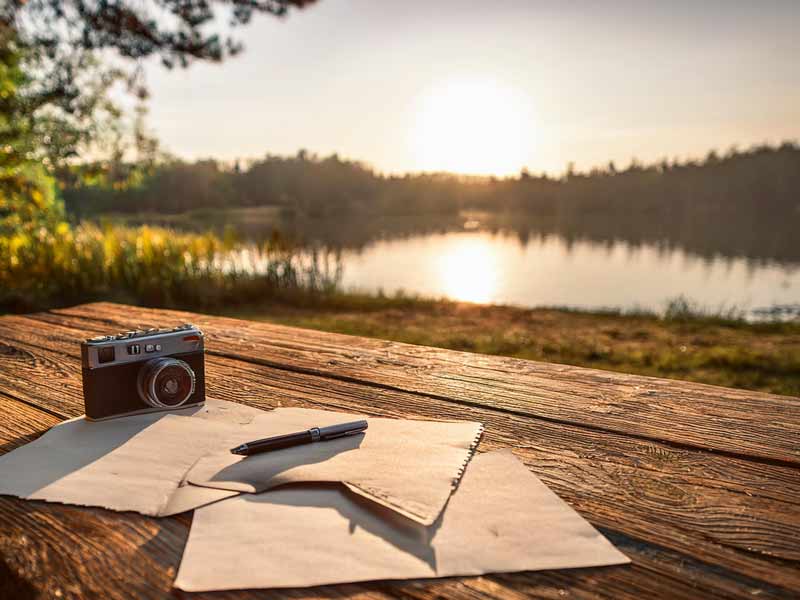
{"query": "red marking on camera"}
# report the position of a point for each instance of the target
(191, 338)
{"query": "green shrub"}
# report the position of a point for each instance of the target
(58, 265)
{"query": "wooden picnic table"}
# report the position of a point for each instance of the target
(698, 485)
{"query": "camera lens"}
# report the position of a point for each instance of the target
(166, 382)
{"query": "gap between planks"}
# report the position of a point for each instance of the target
(655, 569)
(244, 365)
(64, 345)
(778, 456)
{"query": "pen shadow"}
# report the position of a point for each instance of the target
(401, 532)
(67, 448)
(260, 472)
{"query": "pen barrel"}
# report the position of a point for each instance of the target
(280, 441)
(334, 431)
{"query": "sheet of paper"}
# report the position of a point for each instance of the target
(142, 463)
(133, 463)
(408, 466)
(500, 519)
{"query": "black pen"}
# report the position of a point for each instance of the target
(315, 434)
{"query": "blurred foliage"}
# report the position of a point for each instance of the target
(54, 87)
(42, 124)
(745, 203)
(35, 138)
(27, 192)
(28, 200)
(174, 30)
(64, 40)
(44, 261)
(153, 266)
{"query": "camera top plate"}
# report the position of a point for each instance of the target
(139, 333)
(142, 344)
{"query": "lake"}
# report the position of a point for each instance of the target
(586, 261)
(550, 270)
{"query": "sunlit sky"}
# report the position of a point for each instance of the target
(490, 87)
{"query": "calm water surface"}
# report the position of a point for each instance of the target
(549, 271)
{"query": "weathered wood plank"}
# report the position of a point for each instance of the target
(742, 475)
(124, 555)
(20, 423)
(590, 469)
(128, 556)
(752, 479)
(724, 420)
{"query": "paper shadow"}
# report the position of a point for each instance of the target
(401, 532)
(19, 441)
(67, 448)
(261, 470)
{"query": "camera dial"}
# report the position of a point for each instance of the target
(165, 382)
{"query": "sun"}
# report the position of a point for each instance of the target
(467, 269)
(476, 126)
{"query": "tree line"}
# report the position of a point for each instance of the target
(760, 184)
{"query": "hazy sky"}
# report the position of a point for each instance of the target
(493, 86)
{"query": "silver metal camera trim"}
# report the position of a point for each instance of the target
(171, 342)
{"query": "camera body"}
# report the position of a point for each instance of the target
(143, 371)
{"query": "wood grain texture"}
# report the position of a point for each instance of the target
(20, 423)
(683, 413)
(697, 524)
(722, 499)
(124, 555)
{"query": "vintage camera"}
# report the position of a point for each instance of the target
(143, 371)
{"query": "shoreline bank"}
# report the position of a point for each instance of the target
(712, 349)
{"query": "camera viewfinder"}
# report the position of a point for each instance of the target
(105, 354)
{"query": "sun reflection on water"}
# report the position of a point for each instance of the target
(468, 270)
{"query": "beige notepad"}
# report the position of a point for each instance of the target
(500, 519)
(408, 466)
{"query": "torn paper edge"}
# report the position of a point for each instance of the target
(426, 520)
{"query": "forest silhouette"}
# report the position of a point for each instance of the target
(742, 203)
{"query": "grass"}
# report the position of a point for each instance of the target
(43, 267)
(717, 349)
(48, 266)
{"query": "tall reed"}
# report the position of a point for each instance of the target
(61, 265)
